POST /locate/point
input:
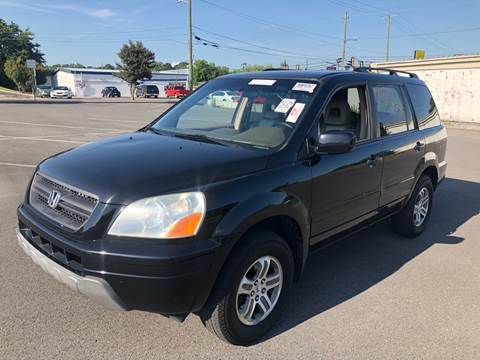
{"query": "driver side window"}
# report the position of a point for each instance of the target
(346, 111)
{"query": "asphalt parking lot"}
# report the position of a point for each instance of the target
(372, 296)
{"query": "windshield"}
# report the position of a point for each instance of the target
(257, 112)
(61, 88)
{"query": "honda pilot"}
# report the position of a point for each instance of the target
(213, 210)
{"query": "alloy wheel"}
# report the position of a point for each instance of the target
(259, 290)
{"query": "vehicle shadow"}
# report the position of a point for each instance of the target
(351, 266)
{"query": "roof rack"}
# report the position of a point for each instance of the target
(390, 71)
(274, 69)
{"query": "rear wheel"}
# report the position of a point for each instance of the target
(413, 218)
(252, 290)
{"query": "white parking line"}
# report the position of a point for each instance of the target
(60, 126)
(14, 164)
(107, 133)
(113, 120)
(5, 137)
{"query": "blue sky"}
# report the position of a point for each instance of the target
(248, 31)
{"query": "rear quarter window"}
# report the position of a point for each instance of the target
(424, 106)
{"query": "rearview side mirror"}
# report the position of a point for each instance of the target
(336, 142)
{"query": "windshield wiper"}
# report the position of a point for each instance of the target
(200, 137)
(157, 131)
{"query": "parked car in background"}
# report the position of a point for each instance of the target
(110, 91)
(43, 90)
(146, 91)
(61, 92)
(214, 210)
(224, 98)
(177, 91)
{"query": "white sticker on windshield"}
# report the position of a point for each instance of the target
(295, 113)
(285, 105)
(308, 87)
(266, 82)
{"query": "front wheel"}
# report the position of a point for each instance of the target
(413, 218)
(252, 290)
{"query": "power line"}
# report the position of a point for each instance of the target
(424, 33)
(255, 45)
(278, 26)
(410, 24)
(431, 40)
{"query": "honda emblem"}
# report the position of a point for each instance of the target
(54, 199)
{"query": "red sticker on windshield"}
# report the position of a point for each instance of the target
(295, 113)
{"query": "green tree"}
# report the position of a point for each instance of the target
(205, 71)
(136, 63)
(181, 65)
(72, 66)
(253, 67)
(17, 71)
(15, 42)
(159, 66)
(109, 67)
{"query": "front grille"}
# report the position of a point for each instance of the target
(73, 209)
(68, 259)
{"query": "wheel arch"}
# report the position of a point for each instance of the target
(429, 167)
(278, 212)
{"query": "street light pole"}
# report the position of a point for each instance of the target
(344, 45)
(387, 56)
(190, 52)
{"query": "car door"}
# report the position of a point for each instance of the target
(346, 187)
(402, 143)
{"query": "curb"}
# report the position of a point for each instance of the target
(462, 125)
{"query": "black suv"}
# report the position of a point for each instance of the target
(146, 91)
(213, 210)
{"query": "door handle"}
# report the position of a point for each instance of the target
(371, 161)
(419, 146)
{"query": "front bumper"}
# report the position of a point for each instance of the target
(141, 274)
(95, 288)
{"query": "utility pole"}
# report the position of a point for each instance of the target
(190, 52)
(344, 45)
(306, 64)
(387, 56)
(35, 83)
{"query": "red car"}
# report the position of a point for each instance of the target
(177, 91)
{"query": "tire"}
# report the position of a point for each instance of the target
(221, 316)
(407, 222)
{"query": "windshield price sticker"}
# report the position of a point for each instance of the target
(266, 82)
(295, 113)
(285, 105)
(308, 87)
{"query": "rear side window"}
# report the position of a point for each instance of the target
(424, 106)
(389, 110)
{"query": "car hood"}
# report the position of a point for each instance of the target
(129, 167)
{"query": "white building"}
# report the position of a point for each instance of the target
(90, 82)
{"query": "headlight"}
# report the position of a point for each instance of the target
(162, 217)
